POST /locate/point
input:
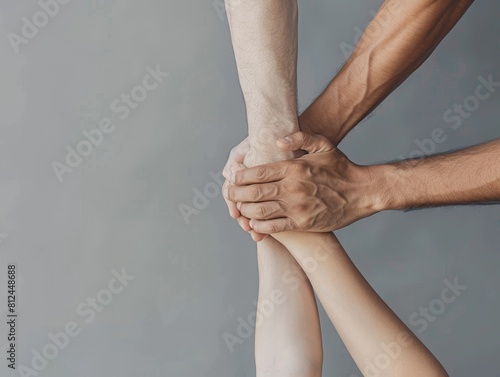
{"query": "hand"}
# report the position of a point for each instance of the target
(234, 162)
(319, 192)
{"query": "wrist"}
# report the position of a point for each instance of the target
(315, 119)
(263, 149)
(270, 108)
(264, 130)
(391, 187)
(385, 188)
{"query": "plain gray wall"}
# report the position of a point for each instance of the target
(120, 207)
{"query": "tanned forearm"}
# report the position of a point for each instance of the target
(397, 41)
(468, 176)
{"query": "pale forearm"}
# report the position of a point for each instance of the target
(469, 176)
(365, 323)
(264, 36)
(288, 334)
(398, 40)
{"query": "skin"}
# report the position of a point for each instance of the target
(307, 193)
(378, 65)
(287, 342)
(265, 42)
(325, 191)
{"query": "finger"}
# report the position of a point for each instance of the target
(262, 211)
(260, 174)
(312, 143)
(233, 211)
(237, 155)
(257, 237)
(231, 206)
(272, 226)
(253, 193)
(244, 223)
(234, 158)
(236, 166)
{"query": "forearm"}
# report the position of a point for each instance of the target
(397, 41)
(264, 36)
(469, 176)
(365, 323)
(288, 334)
(266, 66)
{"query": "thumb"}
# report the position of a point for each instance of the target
(312, 143)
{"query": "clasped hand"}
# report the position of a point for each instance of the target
(320, 191)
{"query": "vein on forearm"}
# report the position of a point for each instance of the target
(381, 61)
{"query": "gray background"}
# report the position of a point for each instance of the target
(119, 209)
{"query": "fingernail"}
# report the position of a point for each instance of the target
(238, 205)
(233, 177)
(286, 140)
(251, 223)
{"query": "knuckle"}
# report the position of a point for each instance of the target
(261, 211)
(274, 191)
(301, 136)
(261, 172)
(273, 228)
(254, 193)
(281, 207)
